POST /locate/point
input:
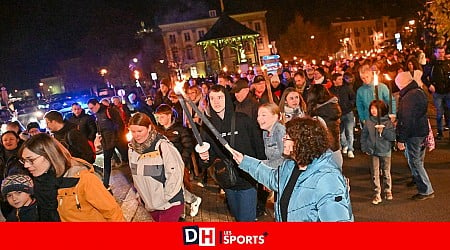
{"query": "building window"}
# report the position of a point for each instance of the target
(172, 39)
(187, 37)
(175, 56)
(201, 33)
(212, 13)
(258, 27)
(189, 53)
(260, 41)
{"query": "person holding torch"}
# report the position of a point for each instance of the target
(241, 197)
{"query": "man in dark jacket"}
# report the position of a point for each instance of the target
(437, 78)
(347, 100)
(84, 122)
(245, 102)
(412, 129)
(70, 137)
(242, 196)
(108, 124)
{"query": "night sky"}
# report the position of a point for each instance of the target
(36, 35)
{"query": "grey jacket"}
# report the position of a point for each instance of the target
(372, 142)
(273, 145)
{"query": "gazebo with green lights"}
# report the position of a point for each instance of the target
(227, 32)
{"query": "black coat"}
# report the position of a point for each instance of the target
(28, 213)
(77, 144)
(248, 140)
(331, 113)
(346, 96)
(46, 192)
(437, 73)
(181, 138)
(86, 124)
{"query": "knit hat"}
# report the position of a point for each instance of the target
(17, 182)
(403, 79)
(33, 125)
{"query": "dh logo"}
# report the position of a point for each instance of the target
(202, 236)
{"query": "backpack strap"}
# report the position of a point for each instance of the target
(107, 113)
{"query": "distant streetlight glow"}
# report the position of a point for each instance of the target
(103, 72)
(136, 74)
(135, 60)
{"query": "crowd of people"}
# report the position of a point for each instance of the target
(290, 135)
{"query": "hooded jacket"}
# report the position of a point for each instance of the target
(248, 140)
(83, 198)
(320, 193)
(372, 142)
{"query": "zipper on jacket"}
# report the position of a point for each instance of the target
(78, 202)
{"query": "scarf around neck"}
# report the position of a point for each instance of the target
(140, 148)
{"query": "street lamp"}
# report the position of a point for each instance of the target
(41, 88)
(103, 72)
(137, 75)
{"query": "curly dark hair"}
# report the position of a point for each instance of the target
(310, 138)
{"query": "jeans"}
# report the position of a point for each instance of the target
(242, 203)
(441, 100)
(383, 163)
(346, 128)
(415, 154)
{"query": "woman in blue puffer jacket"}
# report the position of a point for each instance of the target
(310, 184)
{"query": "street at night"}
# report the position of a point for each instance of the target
(109, 111)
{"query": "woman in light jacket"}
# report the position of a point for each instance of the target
(66, 182)
(157, 169)
(309, 183)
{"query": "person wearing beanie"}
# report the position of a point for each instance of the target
(33, 128)
(18, 190)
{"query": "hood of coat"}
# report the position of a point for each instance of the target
(229, 111)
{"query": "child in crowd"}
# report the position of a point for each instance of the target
(18, 191)
(376, 140)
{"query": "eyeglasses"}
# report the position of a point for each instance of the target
(29, 161)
